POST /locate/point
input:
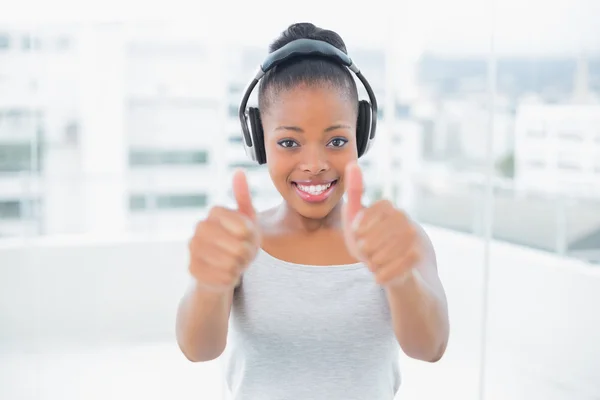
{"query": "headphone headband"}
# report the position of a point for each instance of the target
(302, 48)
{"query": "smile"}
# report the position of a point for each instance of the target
(314, 193)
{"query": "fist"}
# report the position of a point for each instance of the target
(226, 242)
(381, 236)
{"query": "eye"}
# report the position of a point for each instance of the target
(338, 142)
(287, 143)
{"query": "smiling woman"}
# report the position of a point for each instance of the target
(315, 297)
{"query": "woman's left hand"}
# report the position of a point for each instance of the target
(380, 235)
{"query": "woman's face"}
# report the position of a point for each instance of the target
(310, 137)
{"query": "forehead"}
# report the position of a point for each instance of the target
(318, 102)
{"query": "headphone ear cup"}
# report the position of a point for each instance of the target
(257, 135)
(363, 125)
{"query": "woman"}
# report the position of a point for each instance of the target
(314, 298)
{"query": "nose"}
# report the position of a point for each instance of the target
(314, 160)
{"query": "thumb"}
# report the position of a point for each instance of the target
(354, 190)
(241, 192)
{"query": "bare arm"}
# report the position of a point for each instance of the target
(402, 258)
(202, 323)
(223, 246)
(420, 310)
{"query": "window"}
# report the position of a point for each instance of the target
(243, 164)
(568, 165)
(536, 133)
(254, 193)
(140, 202)
(571, 136)
(10, 209)
(236, 139)
(181, 201)
(63, 43)
(233, 110)
(235, 89)
(14, 117)
(137, 202)
(505, 165)
(20, 157)
(4, 41)
(403, 110)
(18, 209)
(536, 164)
(20, 119)
(26, 43)
(568, 161)
(72, 132)
(139, 158)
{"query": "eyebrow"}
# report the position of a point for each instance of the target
(300, 130)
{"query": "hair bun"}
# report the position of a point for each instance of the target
(307, 30)
(302, 30)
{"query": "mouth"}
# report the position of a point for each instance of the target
(314, 193)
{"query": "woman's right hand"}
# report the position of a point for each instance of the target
(226, 242)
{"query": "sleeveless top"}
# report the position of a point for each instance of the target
(310, 332)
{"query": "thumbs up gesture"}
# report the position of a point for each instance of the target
(226, 242)
(381, 236)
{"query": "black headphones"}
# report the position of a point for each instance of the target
(250, 117)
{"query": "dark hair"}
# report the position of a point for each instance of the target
(309, 71)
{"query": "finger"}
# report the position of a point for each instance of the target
(376, 238)
(215, 267)
(214, 255)
(386, 243)
(218, 236)
(241, 192)
(386, 251)
(372, 221)
(235, 224)
(353, 182)
(397, 268)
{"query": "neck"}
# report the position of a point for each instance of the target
(299, 223)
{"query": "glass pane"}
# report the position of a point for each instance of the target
(436, 151)
(543, 321)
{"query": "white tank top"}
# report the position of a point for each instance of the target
(310, 332)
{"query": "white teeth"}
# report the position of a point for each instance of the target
(314, 189)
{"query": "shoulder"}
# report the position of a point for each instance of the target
(423, 236)
(420, 230)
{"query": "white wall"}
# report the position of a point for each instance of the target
(90, 291)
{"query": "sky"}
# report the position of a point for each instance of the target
(454, 27)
